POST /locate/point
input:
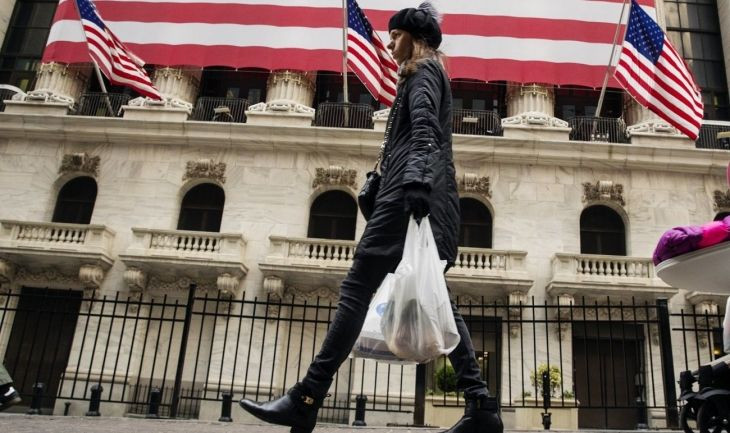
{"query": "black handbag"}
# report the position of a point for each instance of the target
(366, 197)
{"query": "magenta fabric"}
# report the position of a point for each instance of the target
(681, 240)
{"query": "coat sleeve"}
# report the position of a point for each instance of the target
(424, 101)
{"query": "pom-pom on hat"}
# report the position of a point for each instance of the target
(421, 22)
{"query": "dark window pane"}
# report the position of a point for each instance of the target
(202, 209)
(721, 216)
(43, 15)
(602, 232)
(672, 14)
(75, 202)
(476, 224)
(333, 215)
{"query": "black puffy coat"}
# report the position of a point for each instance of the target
(418, 151)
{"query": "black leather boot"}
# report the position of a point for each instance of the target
(296, 409)
(480, 416)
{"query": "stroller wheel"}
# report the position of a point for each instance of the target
(688, 418)
(709, 420)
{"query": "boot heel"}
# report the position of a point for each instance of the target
(301, 430)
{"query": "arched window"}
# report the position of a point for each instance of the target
(333, 216)
(721, 216)
(476, 224)
(75, 202)
(602, 231)
(202, 209)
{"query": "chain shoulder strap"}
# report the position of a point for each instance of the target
(388, 127)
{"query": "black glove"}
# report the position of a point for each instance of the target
(417, 197)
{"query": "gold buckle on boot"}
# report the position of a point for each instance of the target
(307, 400)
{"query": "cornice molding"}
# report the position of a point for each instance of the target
(665, 157)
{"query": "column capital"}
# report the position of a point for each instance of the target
(289, 98)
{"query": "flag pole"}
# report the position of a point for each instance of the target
(345, 96)
(96, 67)
(610, 61)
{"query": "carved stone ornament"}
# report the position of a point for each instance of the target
(518, 300)
(535, 118)
(179, 285)
(603, 190)
(470, 182)
(80, 162)
(205, 169)
(653, 126)
(565, 303)
(381, 114)
(227, 285)
(136, 279)
(722, 199)
(7, 271)
(274, 286)
(45, 276)
(91, 276)
(335, 175)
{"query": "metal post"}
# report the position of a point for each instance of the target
(419, 412)
(66, 408)
(360, 401)
(95, 401)
(226, 408)
(181, 355)
(546, 395)
(153, 410)
(665, 338)
(37, 401)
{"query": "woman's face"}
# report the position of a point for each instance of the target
(401, 45)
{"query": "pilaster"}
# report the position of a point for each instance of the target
(289, 97)
(531, 113)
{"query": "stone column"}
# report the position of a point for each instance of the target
(646, 128)
(289, 97)
(531, 112)
(723, 13)
(58, 87)
(6, 11)
(179, 89)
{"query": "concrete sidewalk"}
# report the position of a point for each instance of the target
(11, 423)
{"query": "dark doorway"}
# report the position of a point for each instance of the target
(75, 202)
(41, 339)
(475, 230)
(202, 209)
(608, 375)
(602, 231)
(333, 215)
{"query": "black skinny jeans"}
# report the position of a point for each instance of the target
(356, 291)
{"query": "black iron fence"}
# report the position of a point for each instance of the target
(4, 95)
(220, 109)
(607, 129)
(708, 137)
(344, 115)
(100, 104)
(609, 361)
(476, 122)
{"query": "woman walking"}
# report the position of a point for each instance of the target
(418, 178)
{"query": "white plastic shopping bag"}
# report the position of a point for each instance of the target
(371, 343)
(418, 323)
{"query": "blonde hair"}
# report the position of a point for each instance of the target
(420, 54)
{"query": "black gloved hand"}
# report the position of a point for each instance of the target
(417, 198)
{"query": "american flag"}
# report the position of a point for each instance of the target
(652, 71)
(368, 58)
(117, 63)
(564, 42)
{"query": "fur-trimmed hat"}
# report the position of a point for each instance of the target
(421, 22)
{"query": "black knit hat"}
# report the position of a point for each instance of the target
(421, 22)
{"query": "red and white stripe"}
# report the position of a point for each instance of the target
(667, 88)
(373, 65)
(546, 41)
(118, 64)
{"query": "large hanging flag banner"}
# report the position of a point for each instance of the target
(652, 71)
(544, 41)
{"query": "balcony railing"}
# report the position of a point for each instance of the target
(41, 235)
(211, 109)
(5, 94)
(187, 244)
(342, 115)
(708, 136)
(102, 104)
(606, 129)
(605, 274)
(309, 251)
(476, 122)
(487, 261)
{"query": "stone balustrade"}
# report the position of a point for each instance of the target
(56, 236)
(324, 252)
(484, 261)
(182, 244)
(605, 274)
